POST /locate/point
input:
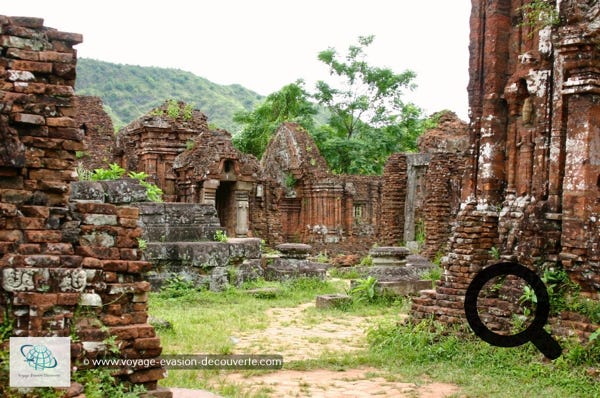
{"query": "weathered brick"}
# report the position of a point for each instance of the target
(35, 211)
(111, 320)
(29, 118)
(147, 343)
(129, 254)
(66, 133)
(35, 299)
(29, 248)
(98, 208)
(138, 267)
(67, 298)
(55, 56)
(60, 91)
(23, 54)
(105, 253)
(42, 236)
(70, 38)
(91, 262)
(29, 88)
(32, 66)
(128, 212)
(115, 265)
(128, 222)
(124, 332)
(144, 376)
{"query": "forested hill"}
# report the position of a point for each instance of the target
(130, 91)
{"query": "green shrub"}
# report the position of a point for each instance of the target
(221, 236)
(177, 286)
(364, 290)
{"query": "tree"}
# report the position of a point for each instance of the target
(290, 104)
(371, 95)
(368, 119)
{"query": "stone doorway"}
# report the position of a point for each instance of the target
(225, 205)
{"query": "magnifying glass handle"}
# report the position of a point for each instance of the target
(546, 344)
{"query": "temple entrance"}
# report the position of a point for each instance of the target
(225, 205)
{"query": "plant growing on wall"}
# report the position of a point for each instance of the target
(539, 14)
(221, 236)
(153, 192)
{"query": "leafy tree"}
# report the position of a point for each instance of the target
(368, 119)
(291, 104)
(368, 94)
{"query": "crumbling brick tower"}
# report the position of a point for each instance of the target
(532, 188)
(66, 268)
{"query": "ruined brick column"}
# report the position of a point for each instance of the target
(532, 187)
(393, 200)
(67, 269)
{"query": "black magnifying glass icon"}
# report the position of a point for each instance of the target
(535, 331)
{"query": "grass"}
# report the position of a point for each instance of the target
(417, 353)
(230, 313)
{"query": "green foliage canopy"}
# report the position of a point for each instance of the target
(368, 119)
(290, 104)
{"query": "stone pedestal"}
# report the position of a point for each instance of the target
(297, 251)
(389, 256)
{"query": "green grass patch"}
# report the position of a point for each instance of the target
(203, 322)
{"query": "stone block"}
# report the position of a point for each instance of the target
(87, 190)
(90, 300)
(333, 301)
(403, 288)
(100, 219)
(244, 248)
(124, 191)
(281, 269)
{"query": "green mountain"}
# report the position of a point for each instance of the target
(130, 91)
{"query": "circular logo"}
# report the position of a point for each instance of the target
(38, 357)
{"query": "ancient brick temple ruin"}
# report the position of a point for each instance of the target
(532, 186)
(421, 191)
(68, 268)
(98, 132)
(315, 205)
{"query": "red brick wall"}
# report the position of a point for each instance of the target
(531, 188)
(51, 251)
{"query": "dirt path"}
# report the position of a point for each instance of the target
(303, 333)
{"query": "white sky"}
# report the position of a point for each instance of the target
(266, 44)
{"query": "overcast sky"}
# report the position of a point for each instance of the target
(266, 44)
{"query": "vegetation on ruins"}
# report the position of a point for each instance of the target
(357, 117)
(366, 119)
(538, 14)
(221, 236)
(133, 90)
(290, 104)
(114, 172)
(174, 110)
